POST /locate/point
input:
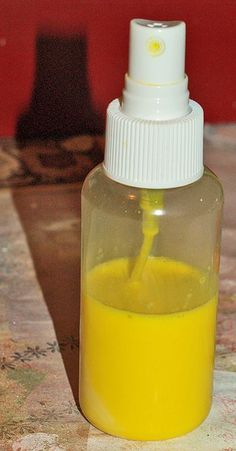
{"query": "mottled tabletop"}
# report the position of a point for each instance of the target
(39, 314)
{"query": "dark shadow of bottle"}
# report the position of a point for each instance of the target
(61, 103)
(61, 107)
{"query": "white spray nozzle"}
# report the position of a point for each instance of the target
(157, 52)
(156, 86)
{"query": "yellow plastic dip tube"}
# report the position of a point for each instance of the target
(147, 348)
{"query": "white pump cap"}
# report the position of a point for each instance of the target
(156, 86)
(157, 52)
(154, 137)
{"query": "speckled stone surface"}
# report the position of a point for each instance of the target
(39, 312)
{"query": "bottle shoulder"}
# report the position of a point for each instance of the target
(203, 195)
(211, 179)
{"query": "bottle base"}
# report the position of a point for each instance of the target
(133, 436)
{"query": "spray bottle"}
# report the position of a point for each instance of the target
(151, 220)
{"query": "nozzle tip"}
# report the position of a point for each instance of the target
(157, 51)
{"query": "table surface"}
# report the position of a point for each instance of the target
(39, 313)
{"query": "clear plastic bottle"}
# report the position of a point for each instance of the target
(150, 262)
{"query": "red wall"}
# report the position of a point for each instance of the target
(211, 44)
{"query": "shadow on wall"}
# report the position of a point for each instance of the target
(61, 103)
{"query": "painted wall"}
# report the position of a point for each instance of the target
(62, 61)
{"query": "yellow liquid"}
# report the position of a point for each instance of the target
(147, 349)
